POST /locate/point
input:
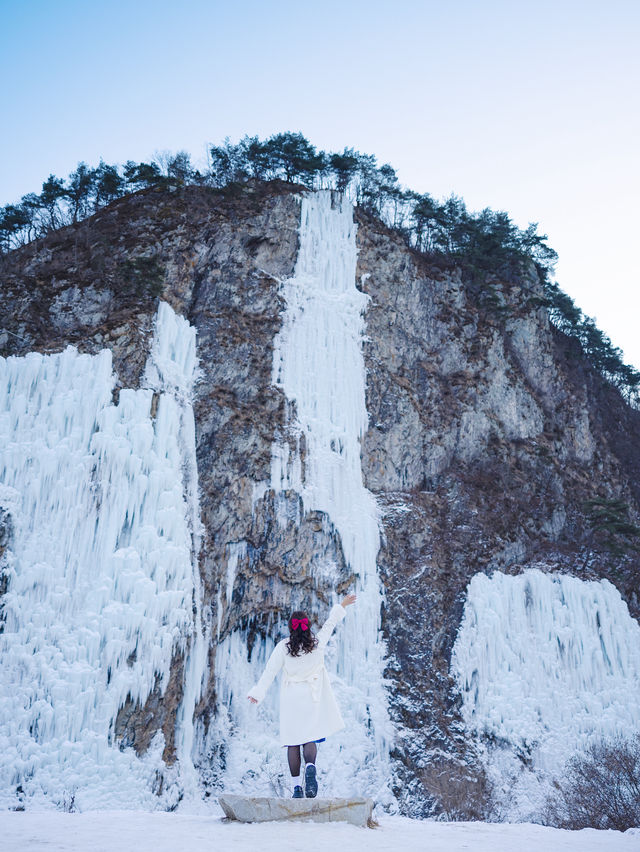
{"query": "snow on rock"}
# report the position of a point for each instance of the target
(318, 363)
(356, 810)
(544, 663)
(103, 577)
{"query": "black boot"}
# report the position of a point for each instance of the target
(297, 792)
(310, 781)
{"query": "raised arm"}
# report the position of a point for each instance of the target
(338, 612)
(274, 664)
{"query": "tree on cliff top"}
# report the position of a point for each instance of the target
(486, 245)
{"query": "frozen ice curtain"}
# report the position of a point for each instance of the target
(318, 363)
(102, 568)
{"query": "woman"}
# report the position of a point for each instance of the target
(309, 712)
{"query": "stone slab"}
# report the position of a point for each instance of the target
(356, 810)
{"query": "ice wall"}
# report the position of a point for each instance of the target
(544, 663)
(103, 575)
(318, 363)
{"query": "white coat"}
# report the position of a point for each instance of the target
(308, 708)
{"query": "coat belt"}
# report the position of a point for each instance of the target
(315, 679)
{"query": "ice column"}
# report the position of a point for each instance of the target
(318, 362)
(103, 576)
(544, 663)
(172, 369)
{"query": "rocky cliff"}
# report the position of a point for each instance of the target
(488, 434)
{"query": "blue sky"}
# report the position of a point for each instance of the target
(526, 107)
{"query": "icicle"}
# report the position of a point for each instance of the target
(104, 578)
(235, 550)
(545, 663)
(172, 369)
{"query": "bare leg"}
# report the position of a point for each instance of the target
(293, 754)
(310, 750)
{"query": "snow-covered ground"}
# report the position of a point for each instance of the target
(115, 831)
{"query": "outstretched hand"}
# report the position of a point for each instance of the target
(348, 600)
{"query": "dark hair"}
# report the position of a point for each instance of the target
(300, 641)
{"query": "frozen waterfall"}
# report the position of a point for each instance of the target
(318, 363)
(103, 575)
(544, 663)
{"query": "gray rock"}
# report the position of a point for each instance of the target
(74, 307)
(357, 810)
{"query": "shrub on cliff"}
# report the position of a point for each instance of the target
(600, 788)
(142, 276)
(609, 520)
(459, 791)
(596, 345)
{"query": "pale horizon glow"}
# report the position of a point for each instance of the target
(526, 108)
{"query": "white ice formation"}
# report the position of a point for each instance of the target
(103, 576)
(318, 362)
(545, 663)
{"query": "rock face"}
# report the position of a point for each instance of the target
(488, 433)
(487, 437)
(357, 811)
